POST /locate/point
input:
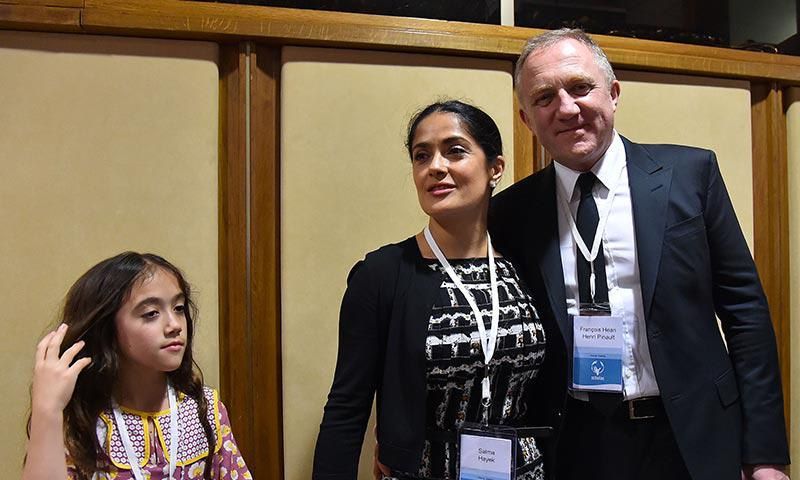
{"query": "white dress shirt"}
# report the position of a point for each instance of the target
(622, 266)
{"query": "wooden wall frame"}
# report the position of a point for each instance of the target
(251, 37)
(227, 23)
(249, 239)
(771, 210)
(524, 145)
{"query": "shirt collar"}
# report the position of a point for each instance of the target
(607, 170)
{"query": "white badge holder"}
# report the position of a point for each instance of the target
(597, 342)
(597, 347)
(487, 452)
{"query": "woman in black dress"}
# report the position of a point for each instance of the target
(409, 331)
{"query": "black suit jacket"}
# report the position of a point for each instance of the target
(382, 330)
(724, 405)
(381, 355)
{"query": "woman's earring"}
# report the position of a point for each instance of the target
(492, 183)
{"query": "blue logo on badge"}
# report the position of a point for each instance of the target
(597, 367)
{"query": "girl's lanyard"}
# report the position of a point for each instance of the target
(590, 255)
(488, 342)
(133, 460)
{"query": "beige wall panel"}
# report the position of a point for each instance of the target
(703, 112)
(106, 144)
(793, 137)
(346, 190)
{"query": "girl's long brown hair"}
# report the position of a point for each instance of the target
(90, 308)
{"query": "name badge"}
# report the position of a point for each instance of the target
(487, 452)
(597, 353)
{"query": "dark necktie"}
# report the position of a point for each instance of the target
(587, 219)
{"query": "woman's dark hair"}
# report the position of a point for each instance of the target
(90, 309)
(474, 120)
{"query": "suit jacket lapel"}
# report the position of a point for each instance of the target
(649, 184)
(549, 251)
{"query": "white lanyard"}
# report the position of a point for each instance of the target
(133, 460)
(488, 342)
(598, 234)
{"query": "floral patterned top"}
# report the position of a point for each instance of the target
(150, 436)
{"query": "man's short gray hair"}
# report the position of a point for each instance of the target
(548, 39)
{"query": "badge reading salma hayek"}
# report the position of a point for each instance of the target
(487, 452)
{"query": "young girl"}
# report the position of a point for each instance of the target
(115, 390)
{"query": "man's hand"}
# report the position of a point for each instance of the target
(764, 472)
(379, 469)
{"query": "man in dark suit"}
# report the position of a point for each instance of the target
(669, 256)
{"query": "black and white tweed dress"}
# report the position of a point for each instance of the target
(455, 364)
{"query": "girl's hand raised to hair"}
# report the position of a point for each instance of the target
(54, 377)
(54, 380)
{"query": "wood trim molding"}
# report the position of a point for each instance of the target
(46, 3)
(771, 212)
(249, 332)
(523, 146)
(541, 157)
(286, 26)
(296, 26)
(234, 302)
(267, 401)
(40, 18)
(529, 155)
